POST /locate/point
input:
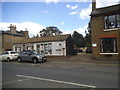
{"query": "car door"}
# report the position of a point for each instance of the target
(23, 55)
(5, 55)
(28, 56)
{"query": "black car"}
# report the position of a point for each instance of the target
(89, 50)
(31, 55)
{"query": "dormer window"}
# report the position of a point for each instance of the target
(112, 21)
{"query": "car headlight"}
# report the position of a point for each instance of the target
(38, 56)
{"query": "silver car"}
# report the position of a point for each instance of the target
(31, 55)
(9, 55)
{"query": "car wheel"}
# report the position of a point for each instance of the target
(19, 59)
(8, 59)
(34, 60)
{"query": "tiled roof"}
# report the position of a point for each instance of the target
(104, 10)
(44, 39)
(9, 33)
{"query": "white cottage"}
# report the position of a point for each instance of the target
(60, 45)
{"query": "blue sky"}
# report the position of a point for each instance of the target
(67, 16)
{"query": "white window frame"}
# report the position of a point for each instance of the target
(101, 47)
(107, 26)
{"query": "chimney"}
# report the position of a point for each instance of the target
(93, 5)
(12, 29)
(26, 34)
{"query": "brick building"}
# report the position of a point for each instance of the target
(9, 37)
(105, 32)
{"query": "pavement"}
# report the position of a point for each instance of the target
(83, 58)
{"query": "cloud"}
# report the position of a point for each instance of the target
(72, 7)
(84, 13)
(104, 3)
(33, 28)
(62, 23)
(67, 5)
(80, 30)
(48, 1)
(73, 13)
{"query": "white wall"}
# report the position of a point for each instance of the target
(58, 47)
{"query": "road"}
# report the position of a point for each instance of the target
(58, 75)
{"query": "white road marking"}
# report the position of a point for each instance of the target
(76, 84)
(14, 81)
(17, 63)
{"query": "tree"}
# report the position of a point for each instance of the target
(78, 39)
(88, 36)
(36, 36)
(50, 31)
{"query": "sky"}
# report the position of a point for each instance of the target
(68, 16)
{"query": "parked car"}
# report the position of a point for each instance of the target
(89, 50)
(80, 50)
(9, 55)
(31, 55)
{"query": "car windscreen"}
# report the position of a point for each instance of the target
(13, 53)
(35, 52)
(5, 53)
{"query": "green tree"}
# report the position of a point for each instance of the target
(50, 31)
(88, 36)
(78, 39)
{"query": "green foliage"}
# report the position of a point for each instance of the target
(81, 41)
(78, 39)
(50, 31)
(88, 36)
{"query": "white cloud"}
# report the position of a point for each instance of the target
(48, 1)
(33, 28)
(62, 23)
(72, 7)
(80, 30)
(73, 13)
(67, 5)
(84, 13)
(104, 3)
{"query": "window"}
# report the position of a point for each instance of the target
(50, 48)
(112, 21)
(108, 45)
(46, 48)
(41, 46)
(13, 52)
(5, 53)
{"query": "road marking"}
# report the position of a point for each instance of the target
(14, 81)
(51, 80)
(17, 63)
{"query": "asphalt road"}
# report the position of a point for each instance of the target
(58, 75)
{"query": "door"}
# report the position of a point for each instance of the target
(28, 56)
(5, 55)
